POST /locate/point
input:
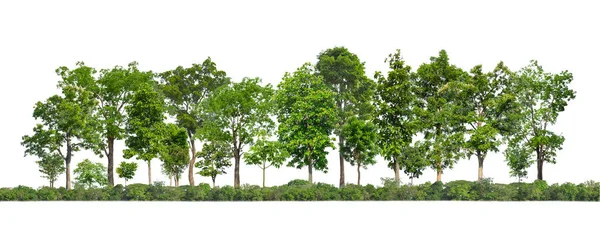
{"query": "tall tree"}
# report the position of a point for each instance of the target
(360, 148)
(307, 117)
(214, 157)
(90, 174)
(438, 88)
(67, 120)
(51, 165)
(343, 72)
(114, 90)
(264, 154)
(236, 113)
(185, 89)
(397, 123)
(126, 170)
(543, 96)
(144, 126)
(493, 111)
(174, 153)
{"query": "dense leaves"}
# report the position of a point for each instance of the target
(215, 157)
(126, 170)
(89, 174)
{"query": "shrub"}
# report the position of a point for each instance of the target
(137, 192)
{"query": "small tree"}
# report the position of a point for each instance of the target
(52, 166)
(88, 174)
(360, 148)
(265, 154)
(126, 170)
(214, 158)
(174, 155)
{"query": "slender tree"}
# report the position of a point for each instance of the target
(493, 111)
(174, 153)
(236, 113)
(126, 170)
(90, 174)
(360, 148)
(52, 166)
(343, 72)
(395, 118)
(215, 157)
(264, 154)
(543, 96)
(185, 90)
(307, 117)
(144, 126)
(67, 120)
(438, 87)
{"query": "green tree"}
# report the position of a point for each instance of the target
(397, 123)
(518, 158)
(214, 157)
(174, 154)
(185, 89)
(265, 154)
(144, 126)
(236, 113)
(88, 174)
(414, 160)
(126, 170)
(438, 87)
(67, 120)
(344, 73)
(51, 165)
(493, 111)
(114, 90)
(543, 96)
(360, 148)
(306, 116)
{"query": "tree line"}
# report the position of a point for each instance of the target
(428, 117)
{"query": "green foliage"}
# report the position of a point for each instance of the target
(126, 170)
(542, 96)
(144, 125)
(51, 165)
(215, 157)
(174, 152)
(306, 116)
(265, 154)
(360, 146)
(90, 174)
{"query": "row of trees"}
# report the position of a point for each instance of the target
(430, 117)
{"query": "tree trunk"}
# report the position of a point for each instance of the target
(480, 159)
(149, 174)
(193, 159)
(439, 175)
(125, 182)
(68, 163)
(540, 165)
(264, 176)
(358, 170)
(310, 172)
(176, 181)
(396, 172)
(342, 177)
(236, 173)
(111, 161)
(213, 180)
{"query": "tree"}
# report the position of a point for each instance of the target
(493, 111)
(438, 87)
(126, 170)
(89, 174)
(265, 154)
(114, 89)
(67, 120)
(214, 158)
(543, 96)
(395, 117)
(360, 147)
(236, 113)
(414, 160)
(518, 157)
(343, 72)
(144, 126)
(185, 89)
(51, 165)
(174, 154)
(307, 116)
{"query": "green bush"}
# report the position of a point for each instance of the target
(7, 194)
(137, 192)
(23, 193)
(47, 193)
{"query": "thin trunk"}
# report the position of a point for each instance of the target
(358, 170)
(236, 178)
(396, 172)
(213, 179)
(540, 166)
(193, 159)
(170, 180)
(125, 182)
(439, 174)
(149, 174)
(263, 170)
(342, 177)
(111, 161)
(480, 158)
(68, 163)
(176, 181)
(310, 172)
